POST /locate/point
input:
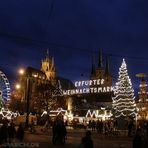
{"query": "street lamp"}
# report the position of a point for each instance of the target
(21, 71)
(17, 86)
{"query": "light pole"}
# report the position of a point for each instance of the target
(27, 98)
(27, 90)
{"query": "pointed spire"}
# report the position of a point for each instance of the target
(107, 71)
(47, 53)
(100, 64)
(53, 61)
(93, 66)
(52, 64)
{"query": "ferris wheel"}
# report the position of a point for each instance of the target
(4, 89)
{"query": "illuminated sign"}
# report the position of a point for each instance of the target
(88, 86)
(95, 114)
(89, 82)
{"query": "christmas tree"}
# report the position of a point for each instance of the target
(123, 100)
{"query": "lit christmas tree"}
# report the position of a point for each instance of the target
(123, 100)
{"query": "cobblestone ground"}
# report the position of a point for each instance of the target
(43, 140)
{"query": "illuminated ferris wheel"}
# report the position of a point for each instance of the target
(4, 89)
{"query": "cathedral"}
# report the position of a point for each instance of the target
(104, 75)
(95, 93)
(100, 72)
(83, 95)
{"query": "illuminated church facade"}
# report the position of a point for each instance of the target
(48, 67)
(102, 74)
(93, 94)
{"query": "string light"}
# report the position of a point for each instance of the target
(123, 101)
(7, 114)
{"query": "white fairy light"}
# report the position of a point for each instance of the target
(123, 100)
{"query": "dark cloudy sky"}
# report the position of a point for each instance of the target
(73, 30)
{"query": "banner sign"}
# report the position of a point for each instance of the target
(88, 86)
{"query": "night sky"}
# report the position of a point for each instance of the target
(74, 30)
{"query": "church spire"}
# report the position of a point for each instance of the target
(107, 71)
(53, 64)
(47, 53)
(93, 66)
(100, 64)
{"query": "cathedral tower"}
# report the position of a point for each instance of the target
(48, 67)
(101, 72)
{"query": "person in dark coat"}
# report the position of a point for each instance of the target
(130, 128)
(137, 140)
(4, 133)
(59, 132)
(20, 133)
(86, 141)
(11, 132)
(54, 132)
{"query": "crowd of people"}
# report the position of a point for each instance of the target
(102, 127)
(9, 133)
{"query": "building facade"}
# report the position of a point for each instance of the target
(142, 102)
(94, 94)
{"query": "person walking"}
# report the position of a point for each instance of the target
(86, 141)
(20, 133)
